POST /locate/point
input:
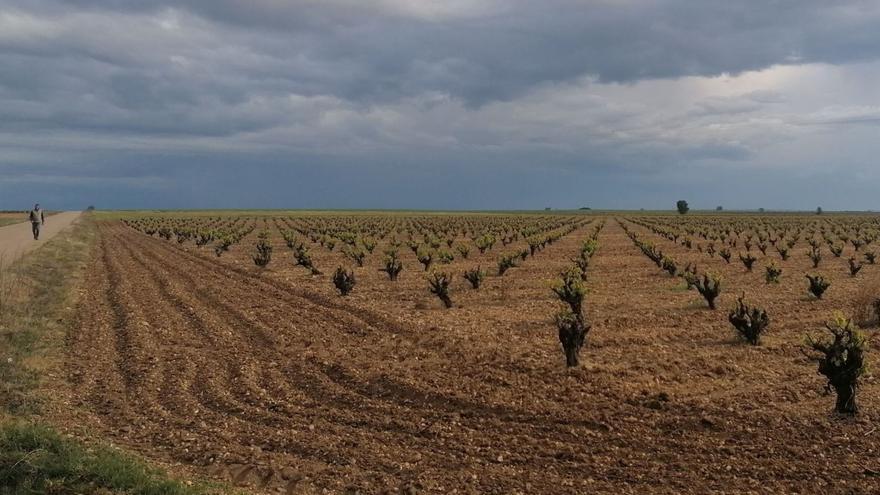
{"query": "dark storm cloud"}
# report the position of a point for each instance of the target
(401, 100)
(482, 51)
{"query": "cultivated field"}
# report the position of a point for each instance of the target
(188, 352)
(11, 217)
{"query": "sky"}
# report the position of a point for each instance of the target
(440, 104)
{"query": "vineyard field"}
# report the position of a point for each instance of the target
(220, 343)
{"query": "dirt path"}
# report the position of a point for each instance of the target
(17, 239)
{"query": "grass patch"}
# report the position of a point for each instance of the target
(37, 294)
(681, 287)
(35, 459)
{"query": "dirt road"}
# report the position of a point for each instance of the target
(17, 239)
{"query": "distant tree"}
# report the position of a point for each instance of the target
(585, 208)
(760, 210)
(90, 208)
(819, 210)
(682, 206)
(719, 208)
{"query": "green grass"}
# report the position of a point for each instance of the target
(36, 306)
(34, 459)
(35, 300)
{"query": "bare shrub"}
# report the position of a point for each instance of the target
(344, 280)
(864, 304)
(438, 284)
(818, 285)
(749, 321)
(841, 360)
(475, 276)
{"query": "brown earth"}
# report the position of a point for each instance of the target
(267, 379)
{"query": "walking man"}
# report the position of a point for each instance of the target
(37, 220)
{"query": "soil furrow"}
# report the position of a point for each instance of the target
(265, 378)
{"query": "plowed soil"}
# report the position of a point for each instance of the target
(267, 379)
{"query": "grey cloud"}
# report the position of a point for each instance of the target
(726, 106)
(504, 92)
(380, 52)
(843, 115)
